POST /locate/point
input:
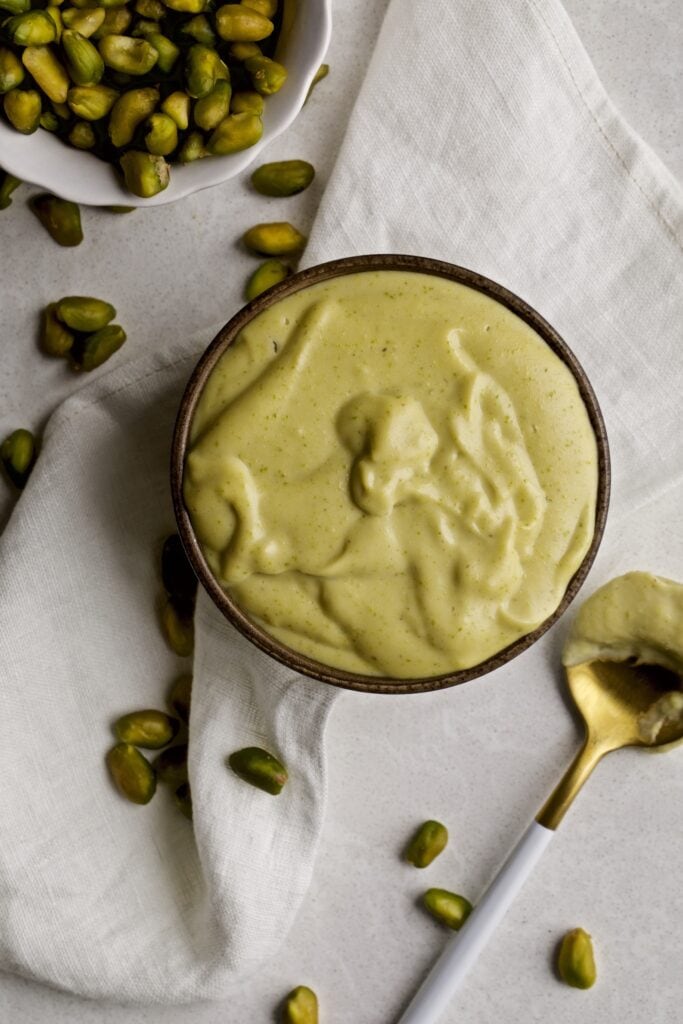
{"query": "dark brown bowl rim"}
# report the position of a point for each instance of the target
(304, 279)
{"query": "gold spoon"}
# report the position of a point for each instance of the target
(612, 698)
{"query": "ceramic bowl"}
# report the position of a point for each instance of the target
(44, 160)
(226, 336)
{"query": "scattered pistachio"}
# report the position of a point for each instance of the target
(8, 183)
(427, 843)
(91, 351)
(171, 765)
(18, 455)
(259, 768)
(283, 178)
(264, 277)
(60, 218)
(132, 773)
(575, 960)
(183, 799)
(447, 907)
(151, 729)
(55, 339)
(178, 630)
(180, 697)
(276, 239)
(300, 1007)
(83, 313)
(322, 72)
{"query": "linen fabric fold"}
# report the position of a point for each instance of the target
(491, 144)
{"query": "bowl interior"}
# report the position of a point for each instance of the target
(44, 160)
(304, 279)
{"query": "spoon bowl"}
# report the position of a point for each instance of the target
(615, 700)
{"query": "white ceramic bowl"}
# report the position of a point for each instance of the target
(44, 160)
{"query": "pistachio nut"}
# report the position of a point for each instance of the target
(213, 108)
(91, 102)
(18, 455)
(85, 64)
(129, 111)
(193, 148)
(82, 135)
(33, 28)
(246, 103)
(447, 907)
(240, 24)
(264, 277)
(575, 959)
(240, 51)
(167, 51)
(161, 137)
(128, 55)
(53, 11)
(60, 218)
(427, 843)
(183, 799)
(23, 108)
(187, 6)
(91, 351)
(178, 630)
(149, 728)
(203, 69)
(8, 183)
(85, 22)
(268, 8)
(177, 106)
(283, 177)
(131, 773)
(12, 71)
(180, 697)
(171, 764)
(15, 6)
(152, 9)
(259, 768)
(48, 73)
(234, 133)
(83, 313)
(300, 1006)
(275, 239)
(116, 21)
(200, 29)
(49, 121)
(267, 76)
(55, 338)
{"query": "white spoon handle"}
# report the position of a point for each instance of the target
(438, 988)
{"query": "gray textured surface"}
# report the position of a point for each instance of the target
(167, 270)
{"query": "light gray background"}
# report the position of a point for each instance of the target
(478, 759)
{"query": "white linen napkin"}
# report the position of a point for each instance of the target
(481, 136)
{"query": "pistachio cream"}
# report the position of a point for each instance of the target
(635, 617)
(393, 474)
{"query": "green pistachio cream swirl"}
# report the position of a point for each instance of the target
(140, 84)
(393, 474)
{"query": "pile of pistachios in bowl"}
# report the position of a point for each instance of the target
(141, 84)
